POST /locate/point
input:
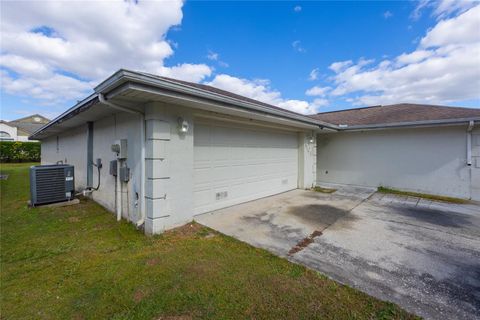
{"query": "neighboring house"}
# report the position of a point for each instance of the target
(20, 129)
(192, 148)
(7, 132)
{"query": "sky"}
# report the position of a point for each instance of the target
(307, 57)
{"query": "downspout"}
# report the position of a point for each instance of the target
(89, 154)
(469, 142)
(102, 100)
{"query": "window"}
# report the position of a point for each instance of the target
(5, 136)
(58, 144)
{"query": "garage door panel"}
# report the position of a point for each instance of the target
(238, 164)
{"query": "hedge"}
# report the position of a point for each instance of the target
(18, 151)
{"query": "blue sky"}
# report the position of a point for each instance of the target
(304, 56)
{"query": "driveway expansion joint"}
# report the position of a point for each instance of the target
(302, 244)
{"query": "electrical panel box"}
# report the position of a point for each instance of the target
(51, 183)
(113, 168)
(120, 148)
(124, 174)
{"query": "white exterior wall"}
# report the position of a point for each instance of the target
(70, 149)
(428, 160)
(105, 131)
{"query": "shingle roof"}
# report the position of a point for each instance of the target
(396, 113)
(219, 91)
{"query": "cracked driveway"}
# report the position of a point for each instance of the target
(422, 255)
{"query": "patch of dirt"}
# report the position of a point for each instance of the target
(182, 317)
(78, 316)
(302, 244)
(73, 219)
(324, 190)
(153, 261)
(139, 296)
(186, 231)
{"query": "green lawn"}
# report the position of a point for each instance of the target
(79, 263)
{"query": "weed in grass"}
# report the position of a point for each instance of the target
(324, 190)
(422, 195)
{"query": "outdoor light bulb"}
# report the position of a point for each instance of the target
(182, 125)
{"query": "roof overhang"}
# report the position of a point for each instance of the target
(412, 124)
(134, 89)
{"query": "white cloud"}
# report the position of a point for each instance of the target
(46, 89)
(297, 46)
(317, 91)
(297, 8)
(461, 30)
(414, 57)
(387, 14)
(313, 74)
(223, 64)
(442, 9)
(45, 43)
(321, 102)
(339, 66)
(192, 72)
(212, 55)
(444, 68)
(260, 90)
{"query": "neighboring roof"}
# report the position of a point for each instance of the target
(30, 124)
(34, 118)
(396, 113)
(5, 122)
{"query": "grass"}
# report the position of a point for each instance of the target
(422, 195)
(77, 262)
(324, 190)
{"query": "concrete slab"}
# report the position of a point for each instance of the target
(279, 222)
(424, 257)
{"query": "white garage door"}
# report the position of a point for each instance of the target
(236, 164)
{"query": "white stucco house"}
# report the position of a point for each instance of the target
(192, 148)
(20, 129)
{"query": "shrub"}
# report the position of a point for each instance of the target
(18, 151)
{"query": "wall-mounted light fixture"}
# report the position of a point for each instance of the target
(311, 139)
(183, 125)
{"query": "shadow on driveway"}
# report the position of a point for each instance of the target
(424, 258)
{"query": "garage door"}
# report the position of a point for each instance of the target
(235, 164)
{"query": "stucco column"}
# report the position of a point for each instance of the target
(157, 173)
(169, 167)
(307, 160)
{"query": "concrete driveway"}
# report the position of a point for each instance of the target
(422, 255)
